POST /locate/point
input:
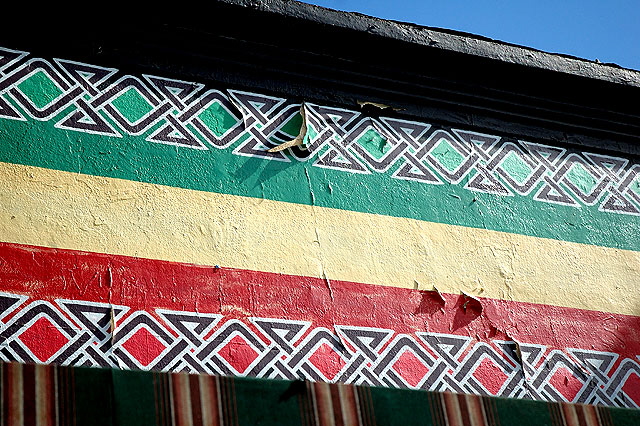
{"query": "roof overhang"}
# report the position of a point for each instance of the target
(311, 53)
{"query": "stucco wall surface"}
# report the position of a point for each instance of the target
(154, 223)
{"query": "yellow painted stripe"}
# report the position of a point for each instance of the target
(65, 210)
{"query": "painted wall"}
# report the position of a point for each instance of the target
(148, 223)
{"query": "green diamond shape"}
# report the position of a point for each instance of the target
(447, 155)
(374, 143)
(217, 119)
(581, 178)
(40, 89)
(635, 185)
(311, 133)
(132, 105)
(292, 126)
(516, 168)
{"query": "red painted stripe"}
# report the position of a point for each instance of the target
(145, 284)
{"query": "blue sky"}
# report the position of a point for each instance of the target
(607, 30)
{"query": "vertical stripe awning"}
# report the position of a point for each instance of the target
(55, 395)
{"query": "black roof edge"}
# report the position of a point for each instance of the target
(448, 40)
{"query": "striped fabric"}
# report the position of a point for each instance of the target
(37, 395)
(54, 395)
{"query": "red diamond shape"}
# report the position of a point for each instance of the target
(632, 388)
(566, 383)
(328, 361)
(43, 339)
(238, 354)
(490, 375)
(410, 368)
(144, 346)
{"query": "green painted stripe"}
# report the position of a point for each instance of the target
(39, 143)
